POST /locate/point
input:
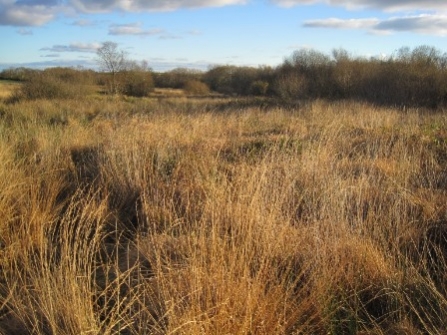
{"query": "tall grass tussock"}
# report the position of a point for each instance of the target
(182, 216)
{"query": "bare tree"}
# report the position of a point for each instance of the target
(112, 60)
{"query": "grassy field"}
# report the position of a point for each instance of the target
(212, 216)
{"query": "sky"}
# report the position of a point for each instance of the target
(200, 34)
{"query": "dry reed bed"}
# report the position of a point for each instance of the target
(154, 217)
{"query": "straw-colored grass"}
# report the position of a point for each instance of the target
(145, 216)
(7, 88)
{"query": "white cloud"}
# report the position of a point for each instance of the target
(431, 24)
(136, 29)
(148, 5)
(387, 5)
(422, 24)
(40, 12)
(342, 23)
(24, 15)
(133, 29)
(73, 47)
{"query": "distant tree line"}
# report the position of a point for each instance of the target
(409, 77)
(415, 77)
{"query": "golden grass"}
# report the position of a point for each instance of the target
(7, 88)
(139, 216)
(167, 92)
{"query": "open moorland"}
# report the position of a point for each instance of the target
(173, 214)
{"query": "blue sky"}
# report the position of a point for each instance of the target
(201, 33)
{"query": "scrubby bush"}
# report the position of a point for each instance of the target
(235, 80)
(57, 83)
(196, 87)
(176, 78)
(19, 74)
(290, 85)
(415, 77)
(137, 83)
(219, 79)
(259, 87)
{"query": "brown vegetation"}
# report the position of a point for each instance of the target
(283, 213)
(168, 216)
(196, 87)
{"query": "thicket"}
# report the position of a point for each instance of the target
(233, 80)
(55, 83)
(136, 82)
(133, 81)
(408, 78)
(17, 74)
(415, 77)
(176, 78)
(69, 83)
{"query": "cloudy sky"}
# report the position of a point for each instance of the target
(200, 33)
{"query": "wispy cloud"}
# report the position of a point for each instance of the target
(133, 29)
(422, 24)
(335, 23)
(73, 47)
(194, 32)
(23, 31)
(153, 5)
(39, 12)
(83, 23)
(387, 5)
(136, 29)
(432, 24)
(50, 56)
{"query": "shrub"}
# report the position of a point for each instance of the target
(53, 84)
(176, 78)
(259, 87)
(137, 83)
(219, 79)
(196, 87)
(19, 73)
(291, 86)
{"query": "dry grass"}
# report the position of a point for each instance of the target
(167, 92)
(141, 216)
(7, 88)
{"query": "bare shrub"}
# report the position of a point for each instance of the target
(57, 83)
(137, 83)
(196, 87)
(259, 87)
